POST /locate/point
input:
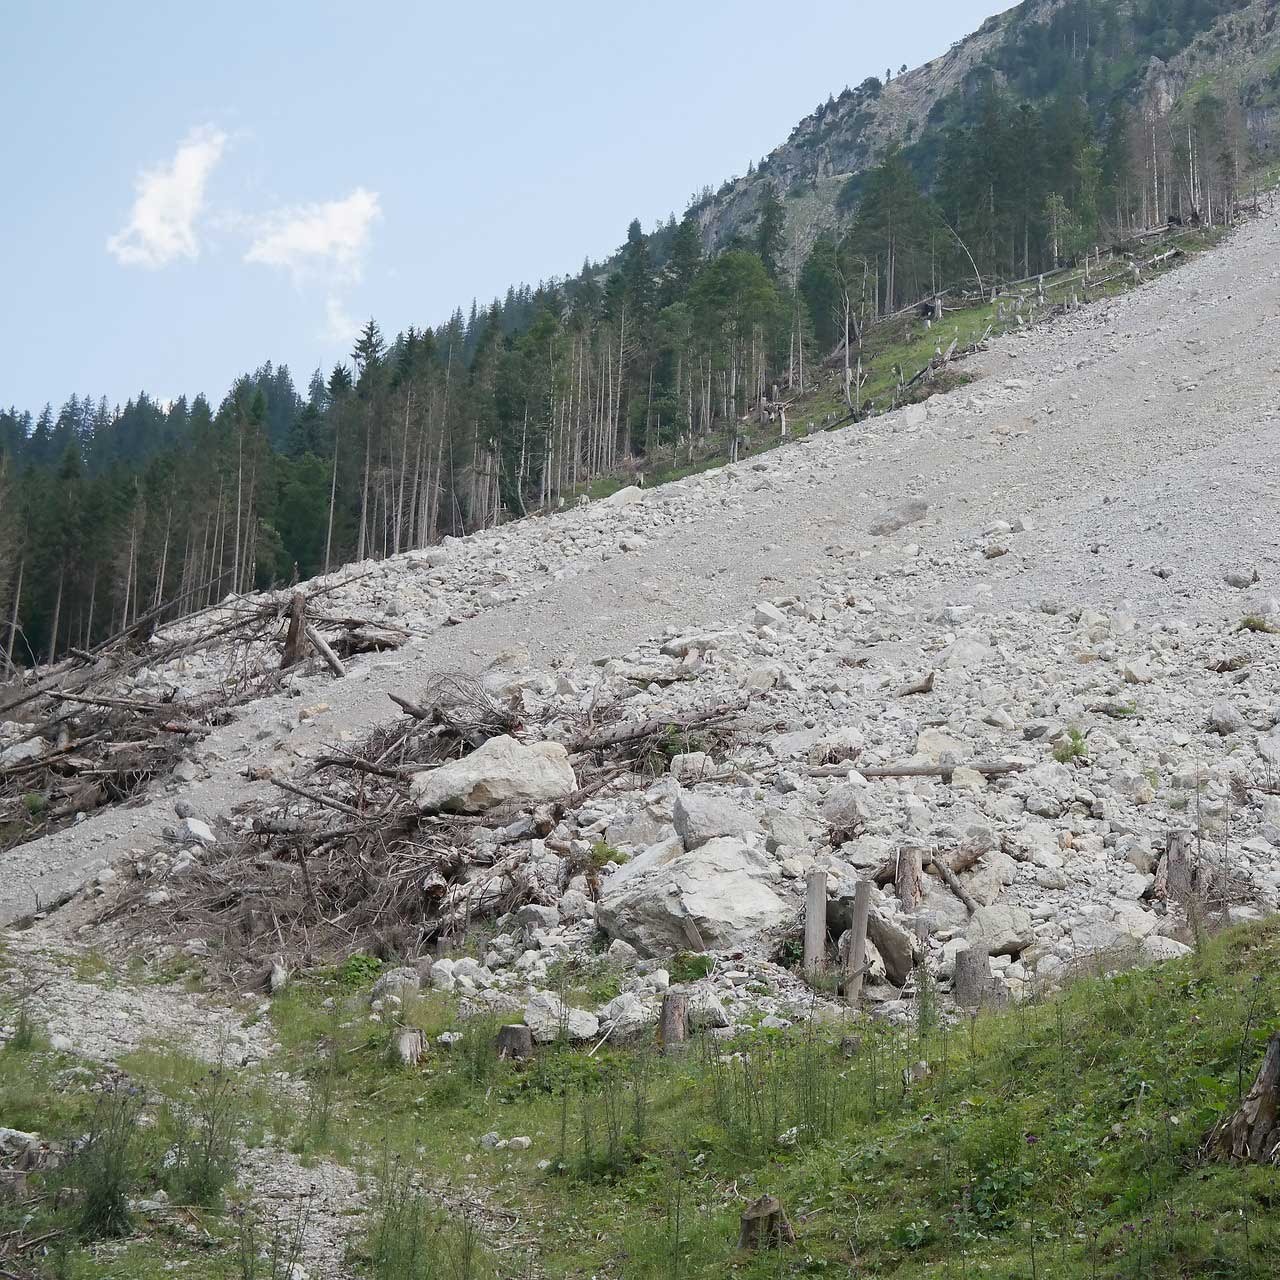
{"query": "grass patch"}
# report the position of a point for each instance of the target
(1069, 1129)
(1252, 622)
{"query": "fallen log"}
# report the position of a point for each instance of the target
(322, 647)
(317, 798)
(923, 685)
(990, 769)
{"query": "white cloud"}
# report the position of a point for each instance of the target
(333, 235)
(162, 223)
(340, 327)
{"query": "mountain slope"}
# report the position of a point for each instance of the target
(1111, 52)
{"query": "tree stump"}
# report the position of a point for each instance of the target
(972, 986)
(815, 923)
(909, 877)
(295, 639)
(764, 1225)
(1251, 1133)
(411, 1044)
(515, 1042)
(673, 1025)
(1175, 876)
(856, 957)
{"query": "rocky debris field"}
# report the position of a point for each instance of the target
(1066, 568)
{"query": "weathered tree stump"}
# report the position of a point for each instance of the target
(856, 957)
(973, 984)
(295, 643)
(764, 1225)
(515, 1042)
(411, 1044)
(1175, 876)
(1251, 1133)
(673, 1024)
(909, 877)
(815, 923)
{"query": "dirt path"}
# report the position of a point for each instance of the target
(1141, 433)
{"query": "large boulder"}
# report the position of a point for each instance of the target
(503, 771)
(910, 512)
(549, 1018)
(846, 808)
(721, 889)
(699, 818)
(1003, 929)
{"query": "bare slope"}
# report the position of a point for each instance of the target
(1140, 434)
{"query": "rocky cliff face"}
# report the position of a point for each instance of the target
(843, 138)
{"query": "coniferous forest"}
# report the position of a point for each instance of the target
(120, 516)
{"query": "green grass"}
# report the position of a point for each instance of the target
(1069, 1127)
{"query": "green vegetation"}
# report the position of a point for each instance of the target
(1072, 748)
(1060, 1138)
(1252, 622)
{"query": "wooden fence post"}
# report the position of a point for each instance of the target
(815, 923)
(856, 960)
(673, 1025)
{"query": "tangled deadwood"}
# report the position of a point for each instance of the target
(346, 862)
(86, 739)
(94, 751)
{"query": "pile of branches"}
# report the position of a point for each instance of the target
(96, 747)
(94, 751)
(347, 863)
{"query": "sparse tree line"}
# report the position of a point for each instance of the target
(112, 519)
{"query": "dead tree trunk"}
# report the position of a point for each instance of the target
(673, 1026)
(973, 986)
(764, 1225)
(815, 924)
(295, 639)
(1175, 876)
(856, 958)
(909, 878)
(515, 1042)
(1251, 1133)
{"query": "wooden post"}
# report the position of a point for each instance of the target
(294, 646)
(909, 877)
(815, 923)
(972, 984)
(1175, 876)
(515, 1042)
(673, 1024)
(856, 960)
(764, 1225)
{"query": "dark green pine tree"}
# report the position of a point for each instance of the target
(770, 230)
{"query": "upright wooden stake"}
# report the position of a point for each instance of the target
(856, 961)
(673, 1026)
(909, 877)
(295, 638)
(815, 923)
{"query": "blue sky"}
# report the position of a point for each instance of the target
(193, 189)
